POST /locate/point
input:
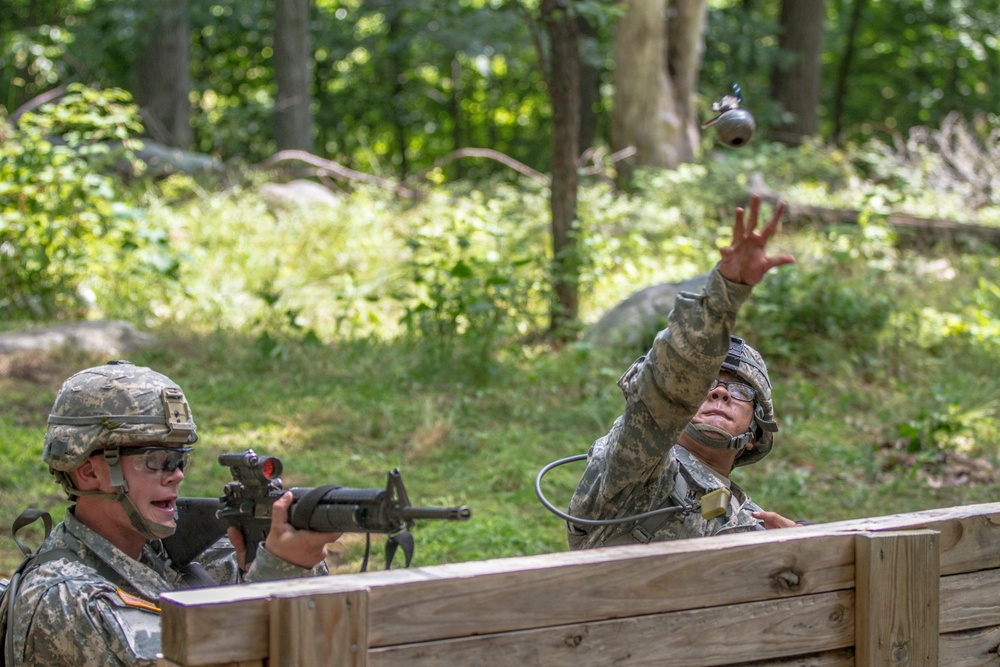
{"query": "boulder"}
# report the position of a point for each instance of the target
(633, 322)
(114, 338)
(298, 193)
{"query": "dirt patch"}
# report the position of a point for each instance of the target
(938, 469)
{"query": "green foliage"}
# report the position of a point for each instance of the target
(66, 223)
(936, 426)
(819, 310)
(938, 59)
(474, 281)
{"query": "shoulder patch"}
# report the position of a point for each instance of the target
(135, 601)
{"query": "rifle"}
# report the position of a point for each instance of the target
(246, 503)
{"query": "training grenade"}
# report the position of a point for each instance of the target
(734, 125)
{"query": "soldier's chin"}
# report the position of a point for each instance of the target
(713, 434)
(161, 531)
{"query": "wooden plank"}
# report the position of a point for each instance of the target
(627, 581)
(696, 638)
(898, 574)
(970, 534)
(840, 658)
(970, 601)
(972, 648)
(309, 631)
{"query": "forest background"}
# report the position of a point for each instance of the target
(496, 176)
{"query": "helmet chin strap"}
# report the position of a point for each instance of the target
(149, 529)
(697, 432)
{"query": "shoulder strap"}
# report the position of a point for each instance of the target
(26, 518)
(31, 561)
(645, 529)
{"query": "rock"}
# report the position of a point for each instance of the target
(634, 321)
(298, 193)
(163, 160)
(110, 337)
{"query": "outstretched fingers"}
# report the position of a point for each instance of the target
(738, 233)
(775, 223)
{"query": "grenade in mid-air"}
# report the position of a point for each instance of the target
(734, 125)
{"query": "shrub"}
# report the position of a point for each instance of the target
(66, 221)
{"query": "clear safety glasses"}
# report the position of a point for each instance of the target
(156, 458)
(741, 391)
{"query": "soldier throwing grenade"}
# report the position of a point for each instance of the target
(698, 404)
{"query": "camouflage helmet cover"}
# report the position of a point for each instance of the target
(114, 405)
(747, 364)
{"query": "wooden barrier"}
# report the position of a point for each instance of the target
(908, 589)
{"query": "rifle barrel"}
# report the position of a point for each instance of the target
(461, 513)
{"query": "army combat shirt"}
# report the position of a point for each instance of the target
(637, 466)
(98, 606)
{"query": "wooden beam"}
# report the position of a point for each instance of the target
(729, 635)
(315, 630)
(190, 633)
(840, 658)
(897, 580)
(971, 648)
(970, 601)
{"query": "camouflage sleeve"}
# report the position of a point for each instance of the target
(219, 560)
(663, 391)
(268, 567)
(92, 626)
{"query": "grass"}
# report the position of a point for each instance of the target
(883, 360)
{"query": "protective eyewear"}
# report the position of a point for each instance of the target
(741, 391)
(157, 458)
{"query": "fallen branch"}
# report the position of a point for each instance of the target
(488, 153)
(37, 101)
(934, 228)
(337, 170)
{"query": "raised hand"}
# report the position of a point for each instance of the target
(744, 260)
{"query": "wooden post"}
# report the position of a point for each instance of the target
(897, 599)
(315, 630)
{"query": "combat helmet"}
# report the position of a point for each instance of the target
(108, 407)
(746, 363)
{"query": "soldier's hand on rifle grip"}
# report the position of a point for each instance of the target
(305, 548)
(239, 546)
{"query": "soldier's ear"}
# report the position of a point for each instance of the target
(86, 477)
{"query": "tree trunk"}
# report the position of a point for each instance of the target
(455, 111)
(293, 128)
(590, 83)
(685, 48)
(796, 84)
(844, 68)
(656, 68)
(564, 91)
(163, 77)
(394, 75)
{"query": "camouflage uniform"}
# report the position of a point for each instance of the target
(95, 605)
(638, 467)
